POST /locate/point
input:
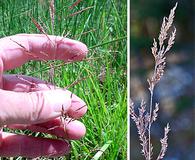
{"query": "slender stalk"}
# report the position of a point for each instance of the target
(149, 127)
(150, 114)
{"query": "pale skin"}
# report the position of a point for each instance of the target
(30, 103)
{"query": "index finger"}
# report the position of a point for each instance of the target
(18, 49)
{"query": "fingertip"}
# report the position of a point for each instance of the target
(71, 50)
(75, 130)
(82, 50)
(78, 107)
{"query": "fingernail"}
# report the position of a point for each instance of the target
(75, 50)
(78, 107)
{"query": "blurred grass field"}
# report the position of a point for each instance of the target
(101, 25)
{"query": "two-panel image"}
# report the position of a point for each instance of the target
(97, 80)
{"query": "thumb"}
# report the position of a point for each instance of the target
(32, 107)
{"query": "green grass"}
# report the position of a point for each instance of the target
(106, 119)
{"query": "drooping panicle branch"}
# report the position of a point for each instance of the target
(164, 143)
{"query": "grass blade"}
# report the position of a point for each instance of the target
(102, 150)
(102, 44)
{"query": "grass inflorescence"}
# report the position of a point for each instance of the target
(145, 118)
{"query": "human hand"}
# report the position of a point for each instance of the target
(30, 103)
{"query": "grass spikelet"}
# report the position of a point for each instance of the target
(75, 4)
(52, 14)
(38, 26)
(41, 29)
(80, 11)
(164, 143)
